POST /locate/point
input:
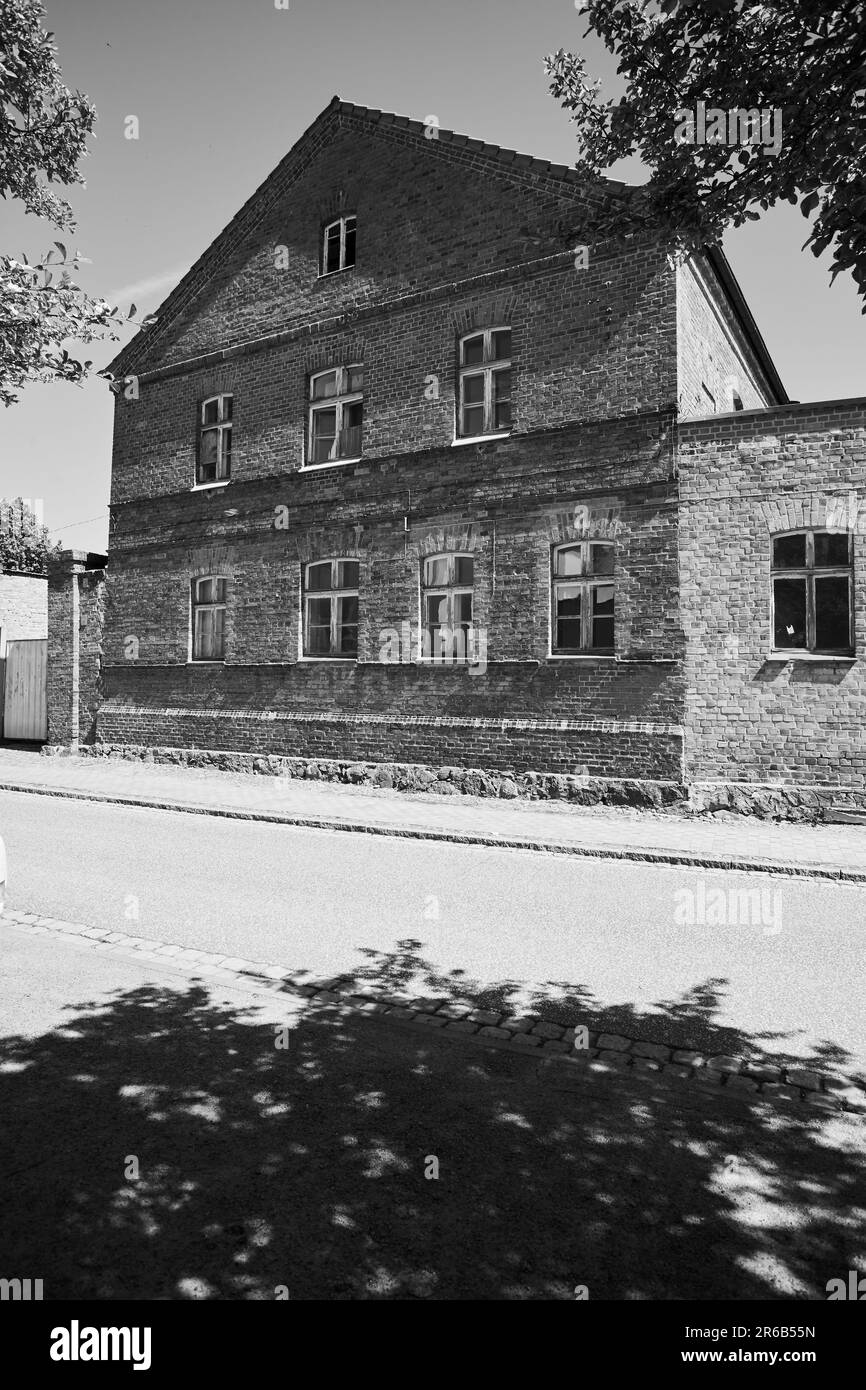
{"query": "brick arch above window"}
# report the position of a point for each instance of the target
(815, 511)
(352, 544)
(492, 309)
(337, 204)
(219, 382)
(599, 520)
(467, 538)
(217, 559)
(335, 353)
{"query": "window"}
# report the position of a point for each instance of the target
(331, 608)
(215, 441)
(446, 622)
(338, 245)
(582, 598)
(485, 382)
(812, 583)
(209, 619)
(336, 410)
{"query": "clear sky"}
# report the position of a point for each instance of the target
(223, 88)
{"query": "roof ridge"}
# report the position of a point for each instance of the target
(503, 153)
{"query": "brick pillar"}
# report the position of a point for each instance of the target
(75, 595)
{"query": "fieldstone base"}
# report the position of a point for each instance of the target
(807, 804)
(413, 777)
(821, 803)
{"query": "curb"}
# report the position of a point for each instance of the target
(460, 837)
(797, 1087)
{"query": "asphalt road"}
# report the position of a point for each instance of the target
(156, 1144)
(581, 939)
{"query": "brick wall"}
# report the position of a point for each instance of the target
(23, 608)
(751, 718)
(507, 506)
(431, 217)
(714, 354)
(76, 617)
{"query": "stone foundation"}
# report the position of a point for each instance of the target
(806, 804)
(412, 777)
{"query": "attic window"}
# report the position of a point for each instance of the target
(338, 245)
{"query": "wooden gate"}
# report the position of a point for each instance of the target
(25, 704)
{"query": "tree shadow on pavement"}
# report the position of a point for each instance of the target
(689, 1022)
(263, 1168)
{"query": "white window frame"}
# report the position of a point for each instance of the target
(196, 607)
(222, 427)
(463, 634)
(333, 594)
(810, 572)
(586, 581)
(488, 368)
(342, 223)
(337, 402)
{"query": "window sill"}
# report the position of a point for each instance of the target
(436, 661)
(205, 487)
(205, 661)
(581, 656)
(329, 660)
(329, 274)
(479, 438)
(332, 463)
(849, 657)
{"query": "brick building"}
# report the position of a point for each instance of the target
(772, 565)
(398, 479)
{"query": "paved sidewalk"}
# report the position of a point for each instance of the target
(726, 842)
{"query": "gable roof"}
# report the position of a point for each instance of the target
(303, 151)
(292, 164)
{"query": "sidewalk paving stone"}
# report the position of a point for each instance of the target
(807, 1080)
(728, 1064)
(548, 1030)
(657, 1051)
(741, 1083)
(485, 1016)
(613, 1042)
(764, 1071)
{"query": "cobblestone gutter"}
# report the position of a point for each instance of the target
(576, 1046)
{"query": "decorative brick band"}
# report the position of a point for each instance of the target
(576, 1045)
(403, 721)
